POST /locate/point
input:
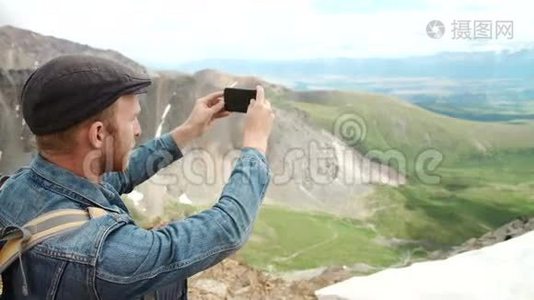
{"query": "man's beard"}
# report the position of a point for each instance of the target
(125, 160)
(116, 158)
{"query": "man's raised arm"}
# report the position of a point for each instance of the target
(147, 159)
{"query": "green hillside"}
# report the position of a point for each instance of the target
(485, 181)
(288, 240)
(395, 124)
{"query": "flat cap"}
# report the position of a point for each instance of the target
(69, 89)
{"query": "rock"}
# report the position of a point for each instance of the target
(508, 231)
(211, 286)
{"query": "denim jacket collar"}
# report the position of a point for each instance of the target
(75, 187)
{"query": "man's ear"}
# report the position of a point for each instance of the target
(97, 134)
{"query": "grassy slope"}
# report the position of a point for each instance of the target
(470, 201)
(478, 192)
(394, 124)
(286, 240)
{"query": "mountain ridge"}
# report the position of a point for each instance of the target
(25, 49)
(178, 92)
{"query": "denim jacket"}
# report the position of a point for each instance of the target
(110, 257)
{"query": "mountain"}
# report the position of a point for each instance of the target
(479, 86)
(296, 186)
(465, 178)
(23, 49)
(394, 124)
(455, 65)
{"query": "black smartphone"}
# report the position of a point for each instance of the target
(237, 100)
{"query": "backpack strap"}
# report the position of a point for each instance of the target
(3, 179)
(20, 239)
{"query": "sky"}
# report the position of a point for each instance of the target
(165, 33)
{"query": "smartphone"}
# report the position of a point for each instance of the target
(237, 100)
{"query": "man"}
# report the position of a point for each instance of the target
(83, 111)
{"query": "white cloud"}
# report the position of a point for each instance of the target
(168, 32)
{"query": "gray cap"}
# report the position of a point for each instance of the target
(71, 88)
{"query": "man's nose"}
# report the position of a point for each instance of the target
(138, 134)
(137, 130)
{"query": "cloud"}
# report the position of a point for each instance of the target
(164, 32)
(3, 16)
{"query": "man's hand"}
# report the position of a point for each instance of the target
(258, 122)
(206, 110)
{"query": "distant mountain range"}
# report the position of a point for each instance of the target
(457, 65)
(480, 86)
